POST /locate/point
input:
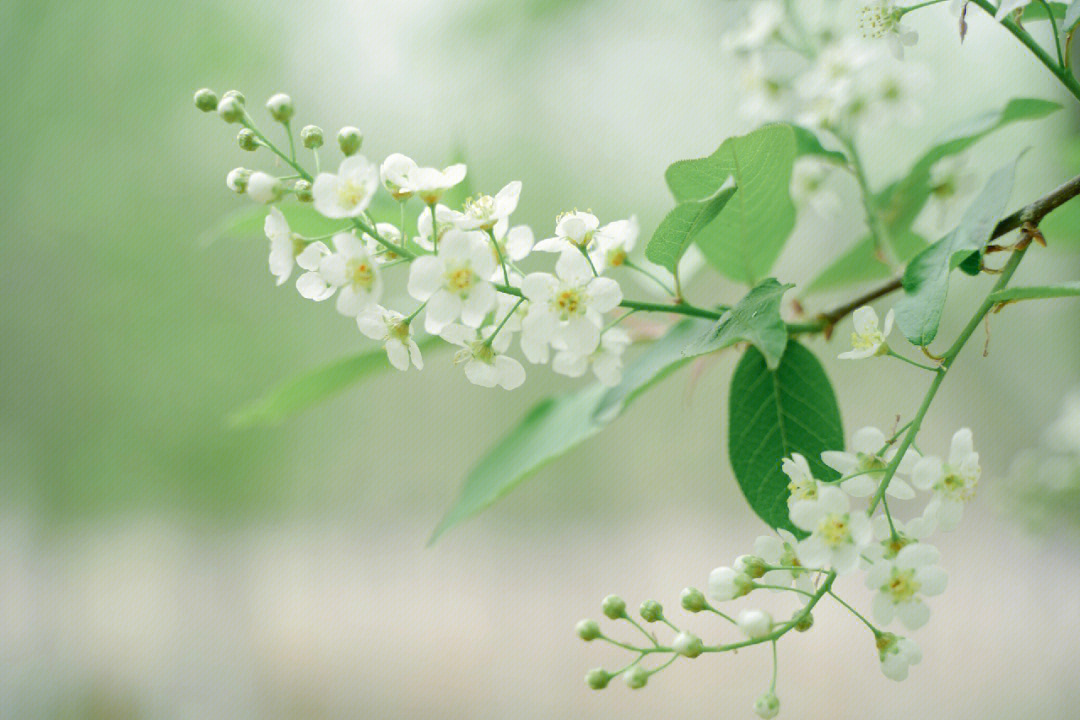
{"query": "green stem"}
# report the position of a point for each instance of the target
(292, 143)
(772, 684)
(651, 276)
(674, 309)
(911, 362)
(500, 327)
(874, 222)
(1054, 28)
(247, 122)
(911, 8)
(583, 252)
(856, 613)
(494, 244)
(401, 250)
(781, 587)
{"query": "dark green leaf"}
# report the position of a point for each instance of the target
(774, 413)
(311, 388)
(926, 278)
(558, 424)
(862, 264)
(745, 239)
(679, 228)
(754, 319)
(1037, 292)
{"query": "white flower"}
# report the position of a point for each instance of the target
(349, 192)
(446, 220)
(897, 654)
(616, 240)
(578, 231)
(455, 283)
(809, 186)
(866, 464)
(952, 483)
(833, 89)
(352, 269)
(780, 551)
(390, 327)
(902, 580)
(727, 584)
(237, 179)
(396, 172)
(867, 340)
(485, 365)
(1007, 6)
(766, 95)
(606, 360)
(430, 184)
(763, 23)
(890, 539)
(882, 20)
(515, 244)
(754, 623)
(263, 188)
(378, 251)
(566, 308)
(803, 487)
(837, 535)
(482, 213)
(288, 249)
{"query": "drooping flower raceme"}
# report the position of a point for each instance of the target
(483, 212)
(902, 581)
(485, 363)
(566, 309)
(862, 468)
(868, 339)
(953, 482)
(347, 193)
(391, 328)
(837, 535)
(456, 282)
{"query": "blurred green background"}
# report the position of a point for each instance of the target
(156, 563)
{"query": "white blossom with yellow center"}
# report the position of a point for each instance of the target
(455, 283)
(953, 483)
(605, 361)
(897, 655)
(485, 363)
(862, 468)
(802, 486)
(868, 339)
(390, 328)
(484, 211)
(347, 193)
(781, 552)
(837, 535)
(902, 581)
(288, 249)
(352, 269)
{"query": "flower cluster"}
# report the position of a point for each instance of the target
(463, 262)
(832, 539)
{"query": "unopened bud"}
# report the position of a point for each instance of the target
(588, 630)
(636, 677)
(597, 678)
(237, 179)
(206, 100)
(302, 188)
(235, 95)
(349, 140)
(230, 110)
(614, 607)
(280, 107)
(687, 645)
(692, 600)
(311, 136)
(804, 623)
(752, 565)
(246, 140)
(263, 188)
(767, 706)
(754, 623)
(727, 584)
(651, 611)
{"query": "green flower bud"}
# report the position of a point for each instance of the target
(280, 107)
(349, 140)
(614, 607)
(751, 565)
(237, 180)
(236, 95)
(597, 678)
(687, 645)
(636, 677)
(804, 623)
(311, 136)
(767, 706)
(651, 611)
(206, 100)
(692, 600)
(246, 140)
(302, 188)
(230, 110)
(588, 630)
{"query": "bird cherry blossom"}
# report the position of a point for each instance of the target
(952, 482)
(455, 283)
(485, 211)
(882, 20)
(615, 241)
(802, 486)
(396, 172)
(352, 269)
(566, 308)
(580, 232)
(514, 243)
(901, 582)
(763, 23)
(392, 329)
(485, 363)
(837, 535)
(897, 655)
(347, 193)
(263, 188)
(781, 551)
(430, 184)
(868, 340)
(605, 361)
(862, 469)
(446, 218)
(288, 249)
(727, 583)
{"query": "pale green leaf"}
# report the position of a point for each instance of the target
(745, 239)
(754, 319)
(861, 263)
(774, 413)
(679, 228)
(807, 143)
(926, 278)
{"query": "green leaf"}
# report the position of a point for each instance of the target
(745, 239)
(1037, 292)
(558, 424)
(862, 264)
(754, 319)
(662, 357)
(679, 228)
(807, 143)
(774, 413)
(926, 278)
(1037, 11)
(313, 387)
(903, 200)
(247, 222)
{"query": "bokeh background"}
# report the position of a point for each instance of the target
(156, 563)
